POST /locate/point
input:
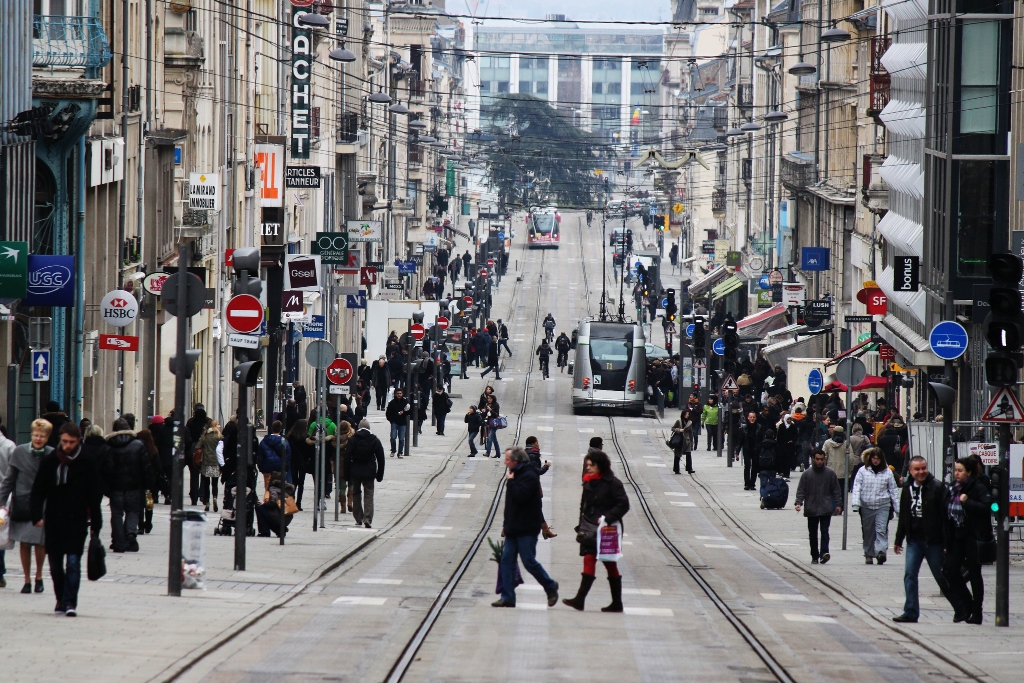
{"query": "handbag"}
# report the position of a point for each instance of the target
(290, 508)
(586, 532)
(197, 456)
(986, 551)
(676, 441)
(21, 508)
(609, 542)
(97, 565)
(149, 500)
(498, 423)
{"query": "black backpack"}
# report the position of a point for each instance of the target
(766, 460)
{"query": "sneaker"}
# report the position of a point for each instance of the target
(904, 619)
(869, 560)
(392, 454)
(71, 612)
(59, 608)
(814, 560)
(825, 557)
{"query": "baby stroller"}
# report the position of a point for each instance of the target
(227, 513)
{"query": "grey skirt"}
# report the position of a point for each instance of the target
(27, 532)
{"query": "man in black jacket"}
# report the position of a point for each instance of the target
(397, 412)
(748, 441)
(381, 379)
(128, 473)
(922, 515)
(523, 519)
(474, 420)
(364, 463)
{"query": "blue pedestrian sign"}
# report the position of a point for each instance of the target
(664, 302)
(718, 347)
(356, 300)
(815, 381)
(689, 330)
(40, 365)
(948, 340)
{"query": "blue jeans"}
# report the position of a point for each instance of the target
(504, 342)
(492, 438)
(398, 431)
(917, 552)
(66, 581)
(472, 442)
(525, 547)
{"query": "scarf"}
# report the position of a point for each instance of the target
(591, 477)
(37, 453)
(955, 508)
(65, 462)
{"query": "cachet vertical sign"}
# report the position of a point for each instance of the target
(301, 91)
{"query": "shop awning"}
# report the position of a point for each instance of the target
(870, 383)
(762, 322)
(702, 285)
(852, 352)
(726, 287)
(780, 352)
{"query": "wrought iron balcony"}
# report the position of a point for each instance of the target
(798, 170)
(718, 201)
(68, 41)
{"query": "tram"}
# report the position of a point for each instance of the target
(544, 228)
(611, 360)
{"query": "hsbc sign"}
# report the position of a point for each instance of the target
(119, 308)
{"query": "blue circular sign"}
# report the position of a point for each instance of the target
(815, 381)
(718, 347)
(689, 330)
(948, 340)
(501, 235)
(664, 302)
(763, 283)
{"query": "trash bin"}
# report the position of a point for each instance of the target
(193, 550)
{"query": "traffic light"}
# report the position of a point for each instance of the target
(629, 241)
(1005, 322)
(246, 262)
(995, 476)
(731, 341)
(247, 374)
(191, 356)
(670, 307)
(699, 338)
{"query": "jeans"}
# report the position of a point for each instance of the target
(66, 581)
(382, 397)
(299, 480)
(874, 525)
(525, 547)
(497, 373)
(659, 398)
(3, 565)
(473, 450)
(712, 431)
(504, 342)
(398, 431)
(813, 525)
(492, 437)
(205, 485)
(362, 499)
(764, 476)
(124, 518)
(440, 422)
(917, 552)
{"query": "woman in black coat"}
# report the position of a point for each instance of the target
(968, 524)
(302, 457)
(603, 496)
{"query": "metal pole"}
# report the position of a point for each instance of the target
(337, 464)
(242, 456)
(317, 463)
(177, 485)
(846, 464)
(1003, 531)
(732, 427)
(408, 393)
(322, 509)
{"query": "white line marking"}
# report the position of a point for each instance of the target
(458, 495)
(638, 431)
(724, 546)
(383, 582)
(360, 600)
(463, 486)
(789, 596)
(545, 417)
(656, 457)
(648, 612)
(710, 538)
(809, 618)
(436, 528)
(545, 429)
(586, 430)
(428, 535)
(641, 591)
(791, 544)
(655, 464)
(676, 493)
(683, 504)
(584, 419)
(537, 606)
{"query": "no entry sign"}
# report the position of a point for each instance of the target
(417, 331)
(339, 371)
(443, 323)
(244, 313)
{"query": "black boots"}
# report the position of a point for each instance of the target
(615, 583)
(581, 595)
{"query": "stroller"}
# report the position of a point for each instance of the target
(227, 512)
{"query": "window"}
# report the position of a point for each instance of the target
(636, 88)
(542, 87)
(598, 88)
(615, 88)
(975, 217)
(979, 77)
(709, 11)
(502, 86)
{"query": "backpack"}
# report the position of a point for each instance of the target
(766, 460)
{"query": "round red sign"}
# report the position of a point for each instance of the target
(490, 262)
(244, 313)
(468, 300)
(483, 272)
(339, 371)
(417, 331)
(443, 323)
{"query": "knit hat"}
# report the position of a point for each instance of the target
(156, 420)
(838, 429)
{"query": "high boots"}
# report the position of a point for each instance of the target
(581, 595)
(615, 583)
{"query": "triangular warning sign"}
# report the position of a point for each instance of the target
(700, 364)
(1004, 408)
(730, 384)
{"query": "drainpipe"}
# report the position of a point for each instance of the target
(122, 215)
(76, 407)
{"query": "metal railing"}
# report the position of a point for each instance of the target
(68, 41)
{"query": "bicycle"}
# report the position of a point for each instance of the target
(544, 368)
(549, 334)
(563, 360)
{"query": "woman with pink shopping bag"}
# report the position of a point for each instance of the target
(602, 507)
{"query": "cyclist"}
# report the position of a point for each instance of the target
(544, 351)
(549, 328)
(562, 345)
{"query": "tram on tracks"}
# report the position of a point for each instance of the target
(544, 228)
(610, 367)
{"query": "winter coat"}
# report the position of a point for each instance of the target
(164, 440)
(934, 497)
(748, 440)
(686, 430)
(440, 404)
(892, 442)
(272, 452)
(99, 450)
(978, 523)
(195, 427)
(22, 470)
(492, 354)
(874, 490)
(536, 460)
(302, 453)
(605, 497)
(57, 419)
(364, 457)
(709, 415)
(858, 443)
(397, 410)
(835, 456)
(128, 463)
(523, 516)
(473, 421)
(381, 377)
(70, 506)
(209, 442)
(819, 492)
(768, 455)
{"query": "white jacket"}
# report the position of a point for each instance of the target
(874, 490)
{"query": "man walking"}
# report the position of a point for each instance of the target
(748, 442)
(819, 495)
(364, 463)
(381, 378)
(128, 473)
(503, 338)
(922, 515)
(523, 521)
(397, 412)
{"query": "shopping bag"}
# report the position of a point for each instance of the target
(97, 565)
(609, 541)
(5, 527)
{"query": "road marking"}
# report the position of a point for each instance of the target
(458, 495)
(586, 430)
(428, 535)
(638, 431)
(710, 538)
(655, 464)
(656, 457)
(545, 417)
(641, 591)
(683, 503)
(809, 618)
(383, 582)
(537, 606)
(360, 600)
(796, 545)
(437, 528)
(789, 596)
(634, 419)
(584, 419)
(648, 612)
(545, 429)
(462, 486)
(676, 493)
(724, 546)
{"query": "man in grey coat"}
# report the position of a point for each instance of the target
(820, 496)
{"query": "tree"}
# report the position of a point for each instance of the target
(540, 157)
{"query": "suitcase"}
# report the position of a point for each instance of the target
(776, 493)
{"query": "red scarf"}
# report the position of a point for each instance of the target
(591, 477)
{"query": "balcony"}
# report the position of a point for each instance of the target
(183, 49)
(880, 81)
(347, 127)
(65, 41)
(797, 170)
(745, 95)
(718, 202)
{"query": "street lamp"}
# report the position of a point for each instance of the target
(835, 35)
(398, 108)
(775, 117)
(314, 20)
(750, 127)
(342, 54)
(380, 97)
(417, 124)
(734, 133)
(802, 68)
(427, 139)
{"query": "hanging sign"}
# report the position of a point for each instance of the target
(365, 231)
(907, 274)
(119, 308)
(302, 272)
(204, 191)
(302, 177)
(270, 160)
(301, 90)
(51, 281)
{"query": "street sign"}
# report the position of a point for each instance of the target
(406, 267)
(365, 231)
(204, 191)
(339, 389)
(302, 272)
(302, 176)
(195, 293)
(718, 347)
(367, 275)
(154, 282)
(793, 294)
(355, 262)
(775, 277)
(851, 371)
(814, 258)
(707, 247)
(119, 308)
(244, 313)
(339, 371)
(948, 340)
(443, 323)
(1004, 407)
(730, 384)
(417, 331)
(291, 302)
(858, 318)
(468, 300)
(689, 330)
(815, 381)
(906, 274)
(699, 364)
(482, 272)
(118, 342)
(40, 365)
(764, 282)
(316, 328)
(391, 272)
(356, 300)
(818, 311)
(501, 236)
(886, 352)
(332, 247)
(320, 354)
(490, 263)
(244, 341)
(874, 299)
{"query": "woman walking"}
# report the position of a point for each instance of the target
(301, 457)
(875, 497)
(491, 412)
(682, 441)
(21, 475)
(213, 459)
(604, 501)
(968, 525)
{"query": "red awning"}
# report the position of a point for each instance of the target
(870, 383)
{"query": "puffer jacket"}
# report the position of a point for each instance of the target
(128, 464)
